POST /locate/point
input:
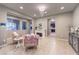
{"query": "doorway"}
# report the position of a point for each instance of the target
(52, 27)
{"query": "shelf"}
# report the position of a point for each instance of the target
(74, 42)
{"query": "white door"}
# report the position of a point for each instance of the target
(52, 29)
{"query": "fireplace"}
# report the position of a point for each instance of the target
(52, 30)
(40, 34)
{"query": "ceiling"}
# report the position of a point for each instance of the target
(30, 9)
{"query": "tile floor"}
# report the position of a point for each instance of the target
(47, 46)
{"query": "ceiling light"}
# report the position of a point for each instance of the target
(42, 8)
(52, 20)
(62, 8)
(21, 7)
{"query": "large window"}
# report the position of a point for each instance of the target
(23, 25)
(13, 24)
(30, 25)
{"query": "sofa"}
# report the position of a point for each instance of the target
(30, 40)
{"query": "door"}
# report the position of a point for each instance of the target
(52, 27)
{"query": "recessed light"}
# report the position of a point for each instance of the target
(21, 7)
(34, 14)
(62, 7)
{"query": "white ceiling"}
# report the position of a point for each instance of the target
(31, 8)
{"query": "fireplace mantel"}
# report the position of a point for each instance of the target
(40, 33)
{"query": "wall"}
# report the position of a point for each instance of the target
(63, 21)
(76, 17)
(3, 16)
(2, 19)
(44, 26)
(20, 31)
(33, 25)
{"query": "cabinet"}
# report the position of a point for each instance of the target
(74, 41)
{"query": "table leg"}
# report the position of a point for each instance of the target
(18, 44)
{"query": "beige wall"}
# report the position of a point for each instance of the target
(20, 31)
(63, 21)
(76, 17)
(33, 25)
(3, 16)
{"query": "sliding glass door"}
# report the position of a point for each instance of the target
(13, 24)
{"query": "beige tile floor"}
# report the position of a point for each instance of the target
(47, 46)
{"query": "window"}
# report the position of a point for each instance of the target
(23, 25)
(31, 25)
(52, 25)
(13, 24)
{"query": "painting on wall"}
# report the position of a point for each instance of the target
(2, 25)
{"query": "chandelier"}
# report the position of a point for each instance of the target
(42, 10)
